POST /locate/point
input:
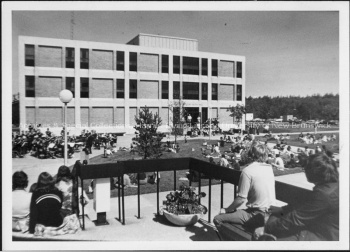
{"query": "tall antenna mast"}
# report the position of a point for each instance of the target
(72, 23)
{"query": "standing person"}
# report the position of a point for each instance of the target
(89, 142)
(45, 204)
(316, 219)
(20, 202)
(257, 186)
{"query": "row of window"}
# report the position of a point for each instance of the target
(190, 64)
(190, 89)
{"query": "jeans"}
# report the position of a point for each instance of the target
(250, 219)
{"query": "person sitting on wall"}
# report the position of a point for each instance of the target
(20, 202)
(314, 220)
(46, 203)
(257, 186)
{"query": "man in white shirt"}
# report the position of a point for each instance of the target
(223, 161)
(257, 186)
(279, 164)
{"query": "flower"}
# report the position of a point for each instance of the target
(184, 201)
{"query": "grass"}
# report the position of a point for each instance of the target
(167, 178)
(291, 128)
(294, 141)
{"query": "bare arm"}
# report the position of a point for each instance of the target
(235, 204)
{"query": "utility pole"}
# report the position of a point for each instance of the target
(72, 23)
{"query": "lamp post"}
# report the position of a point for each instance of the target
(65, 97)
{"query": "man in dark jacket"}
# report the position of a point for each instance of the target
(318, 218)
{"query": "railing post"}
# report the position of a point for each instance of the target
(222, 194)
(209, 207)
(82, 186)
(157, 194)
(234, 191)
(138, 194)
(123, 206)
(199, 185)
(119, 179)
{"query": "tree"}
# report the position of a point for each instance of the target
(237, 113)
(178, 110)
(148, 139)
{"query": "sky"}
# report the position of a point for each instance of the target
(287, 52)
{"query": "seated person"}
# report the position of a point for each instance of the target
(316, 219)
(257, 186)
(223, 161)
(20, 202)
(293, 162)
(333, 137)
(279, 164)
(301, 135)
(306, 151)
(45, 204)
(270, 159)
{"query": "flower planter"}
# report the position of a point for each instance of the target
(182, 219)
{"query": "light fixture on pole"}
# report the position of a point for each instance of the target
(65, 97)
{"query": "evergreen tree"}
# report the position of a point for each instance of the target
(148, 139)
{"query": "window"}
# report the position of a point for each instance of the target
(176, 64)
(84, 58)
(191, 90)
(165, 64)
(120, 61)
(84, 87)
(214, 92)
(205, 67)
(29, 55)
(30, 86)
(133, 62)
(239, 69)
(190, 66)
(165, 89)
(214, 67)
(176, 90)
(70, 85)
(204, 91)
(120, 88)
(69, 57)
(239, 92)
(133, 89)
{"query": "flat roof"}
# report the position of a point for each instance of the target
(162, 36)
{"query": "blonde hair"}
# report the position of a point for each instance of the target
(258, 152)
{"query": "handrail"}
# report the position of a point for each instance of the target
(284, 192)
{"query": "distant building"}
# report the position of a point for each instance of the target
(111, 82)
(286, 118)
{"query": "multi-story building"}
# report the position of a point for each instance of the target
(111, 82)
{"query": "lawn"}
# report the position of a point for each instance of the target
(291, 128)
(167, 179)
(294, 141)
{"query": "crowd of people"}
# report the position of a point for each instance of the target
(48, 145)
(49, 207)
(316, 139)
(317, 219)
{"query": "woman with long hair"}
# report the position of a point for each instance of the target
(64, 183)
(46, 203)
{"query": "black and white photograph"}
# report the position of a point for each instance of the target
(175, 125)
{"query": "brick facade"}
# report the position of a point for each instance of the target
(148, 90)
(48, 86)
(101, 88)
(226, 92)
(49, 56)
(226, 68)
(101, 60)
(148, 63)
(52, 116)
